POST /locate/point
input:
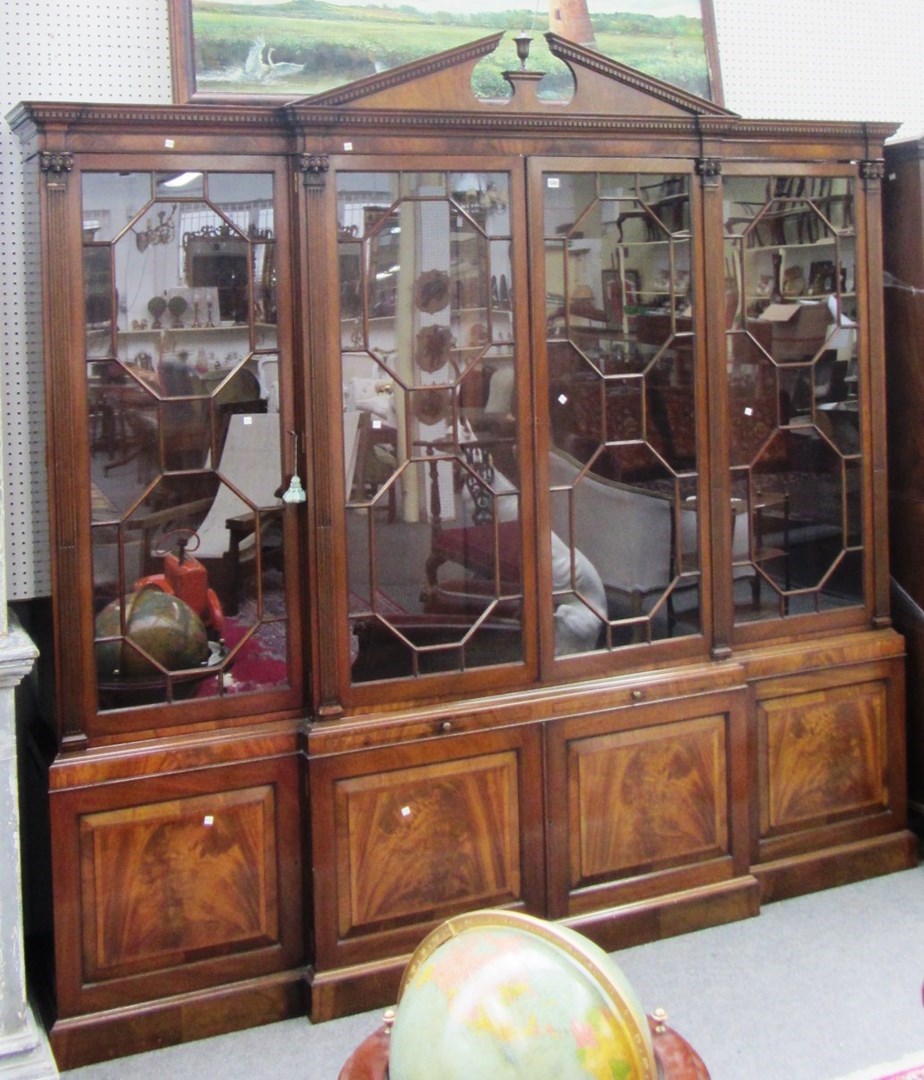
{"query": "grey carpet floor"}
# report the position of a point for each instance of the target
(812, 989)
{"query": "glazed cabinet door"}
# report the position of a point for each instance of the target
(433, 369)
(796, 324)
(405, 836)
(620, 359)
(181, 397)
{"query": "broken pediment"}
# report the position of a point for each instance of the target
(443, 83)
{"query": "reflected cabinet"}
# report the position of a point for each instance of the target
(903, 204)
(457, 503)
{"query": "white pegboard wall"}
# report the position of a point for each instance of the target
(52, 50)
(830, 59)
(824, 60)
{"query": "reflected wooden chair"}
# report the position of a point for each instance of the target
(245, 508)
(469, 534)
(250, 468)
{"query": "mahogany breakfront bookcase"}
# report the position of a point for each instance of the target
(586, 611)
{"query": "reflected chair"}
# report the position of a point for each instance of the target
(471, 534)
(373, 461)
(250, 469)
(633, 534)
(625, 530)
(247, 497)
(483, 538)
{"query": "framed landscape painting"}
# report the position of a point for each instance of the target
(247, 50)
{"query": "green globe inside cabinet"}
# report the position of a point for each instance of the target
(457, 503)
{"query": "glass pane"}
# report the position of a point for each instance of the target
(486, 196)
(264, 280)
(415, 184)
(98, 295)
(428, 365)
(791, 329)
(249, 193)
(246, 203)
(170, 184)
(623, 468)
(184, 437)
(110, 200)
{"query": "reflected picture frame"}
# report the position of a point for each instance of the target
(249, 52)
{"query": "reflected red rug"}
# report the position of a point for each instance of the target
(260, 662)
(908, 1068)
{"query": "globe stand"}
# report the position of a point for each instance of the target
(563, 1000)
(676, 1058)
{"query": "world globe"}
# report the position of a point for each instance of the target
(499, 995)
(164, 626)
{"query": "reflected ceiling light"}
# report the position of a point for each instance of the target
(183, 180)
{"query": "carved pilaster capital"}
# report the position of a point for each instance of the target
(872, 169)
(709, 170)
(55, 165)
(313, 168)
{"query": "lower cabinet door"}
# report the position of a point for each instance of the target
(176, 883)
(405, 836)
(831, 785)
(650, 803)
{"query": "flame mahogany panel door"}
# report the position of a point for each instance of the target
(653, 801)
(174, 884)
(831, 770)
(406, 836)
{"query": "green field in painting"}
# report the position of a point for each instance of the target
(330, 46)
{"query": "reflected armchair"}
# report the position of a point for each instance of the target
(245, 507)
(483, 537)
